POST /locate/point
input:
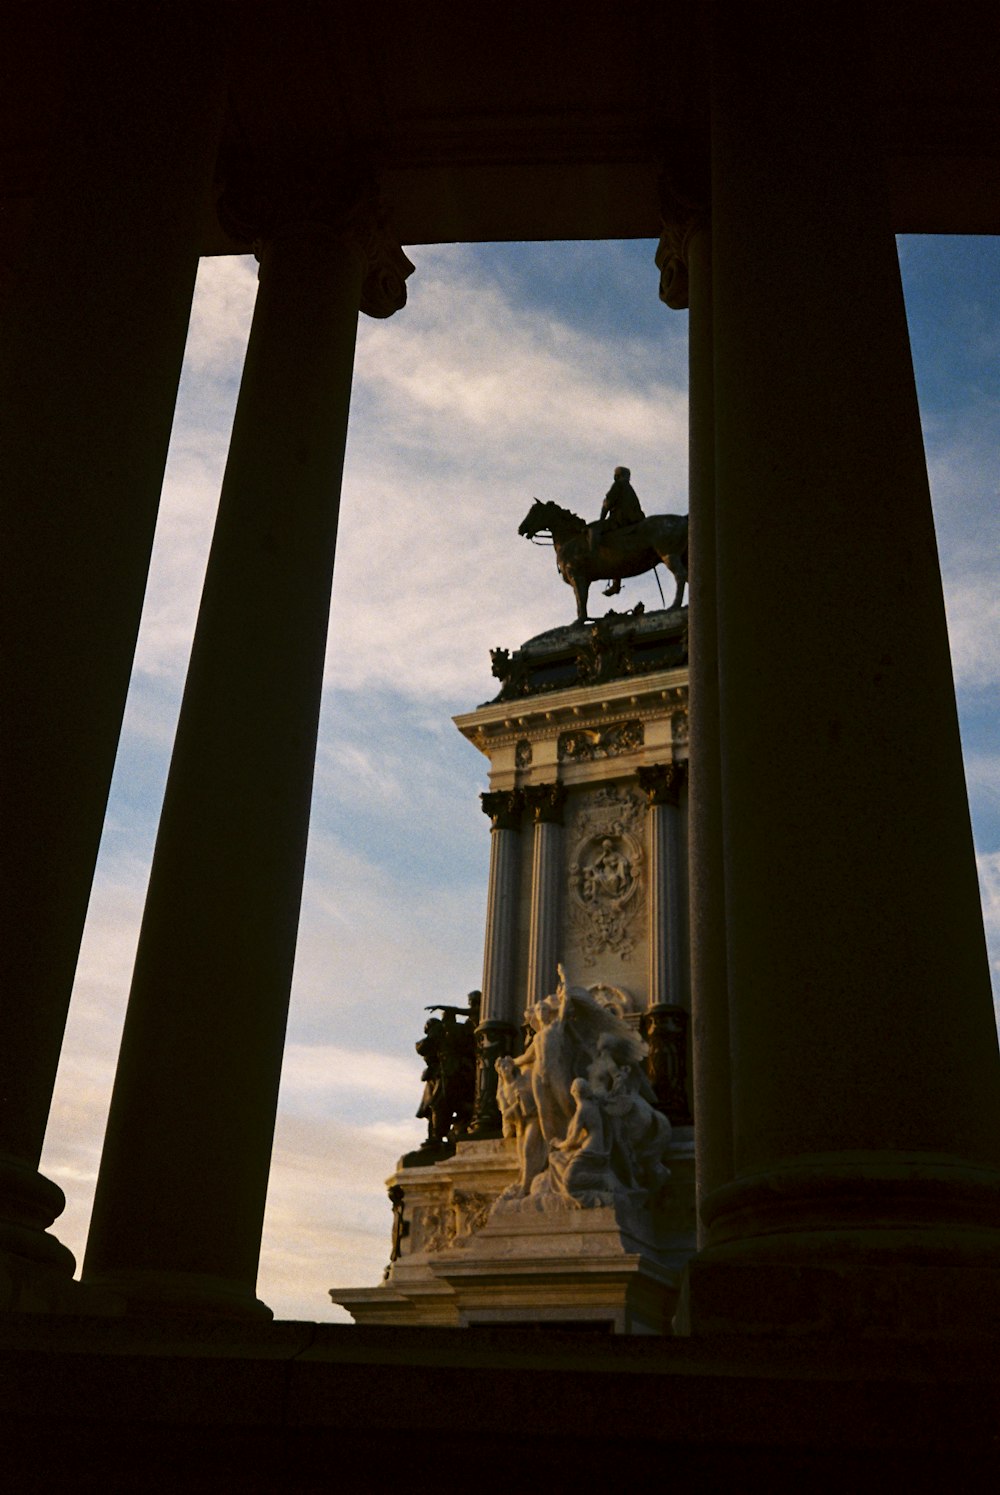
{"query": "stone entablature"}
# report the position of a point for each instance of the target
(632, 722)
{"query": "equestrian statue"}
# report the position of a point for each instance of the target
(623, 542)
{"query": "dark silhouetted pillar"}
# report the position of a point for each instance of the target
(865, 1083)
(181, 1193)
(685, 260)
(91, 346)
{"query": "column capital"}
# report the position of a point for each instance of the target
(258, 207)
(684, 209)
(504, 807)
(545, 802)
(662, 782)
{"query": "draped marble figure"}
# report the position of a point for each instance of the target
(581, 1109)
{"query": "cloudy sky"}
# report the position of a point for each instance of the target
(515, 370)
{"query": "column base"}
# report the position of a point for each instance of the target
(849, 1288)
(180, 1293)
(879, 1246)
(29, 1203)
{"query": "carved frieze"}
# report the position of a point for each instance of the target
(448, 1222)
(522, 753)
(435, 1227)
(470, 1210)
(585, 744)
(606, 873)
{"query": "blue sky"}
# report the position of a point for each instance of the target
(515, 371)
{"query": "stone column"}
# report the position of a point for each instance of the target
(665, 1021)
(867, 1130)
(500, 1016)
(180, 1198)
(661, 783)
(545, 804)
(94, 324)
(685, 261)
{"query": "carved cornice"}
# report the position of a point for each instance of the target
(545, 802)
(504, 807)
(662, 782)
(254, 207)
(684, 195)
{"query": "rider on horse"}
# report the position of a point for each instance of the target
(621, 508)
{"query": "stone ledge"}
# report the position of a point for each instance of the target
(105, 1404)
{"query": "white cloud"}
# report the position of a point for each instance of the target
(465, 408)
(327, 1222)
(973, 606)
(220, 317)
(962, 464)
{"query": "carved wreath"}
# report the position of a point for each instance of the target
(606, 874)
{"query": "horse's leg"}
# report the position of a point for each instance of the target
(581, 591)
(675, 564)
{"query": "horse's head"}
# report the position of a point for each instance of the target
(535, 520)
(550, 517)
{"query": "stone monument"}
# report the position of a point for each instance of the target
(562, 1190)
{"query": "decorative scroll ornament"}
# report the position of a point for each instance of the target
(523, 754)
(254, 207)
(606, 874)
(684, 206)
(585, 744)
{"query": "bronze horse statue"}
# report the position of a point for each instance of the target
(588, 552)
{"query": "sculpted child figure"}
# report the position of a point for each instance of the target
(579, 1165)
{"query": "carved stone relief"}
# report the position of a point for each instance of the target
(606, 874)
(585, 744)
(451, 1221)
(679, 724)
(434, 1227)
(470, 1212)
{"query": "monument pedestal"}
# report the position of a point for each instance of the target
(587, 744)
(462, 1262)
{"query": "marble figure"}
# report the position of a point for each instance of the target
(581, 1109)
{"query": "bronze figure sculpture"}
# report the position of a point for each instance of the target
(586, 553)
